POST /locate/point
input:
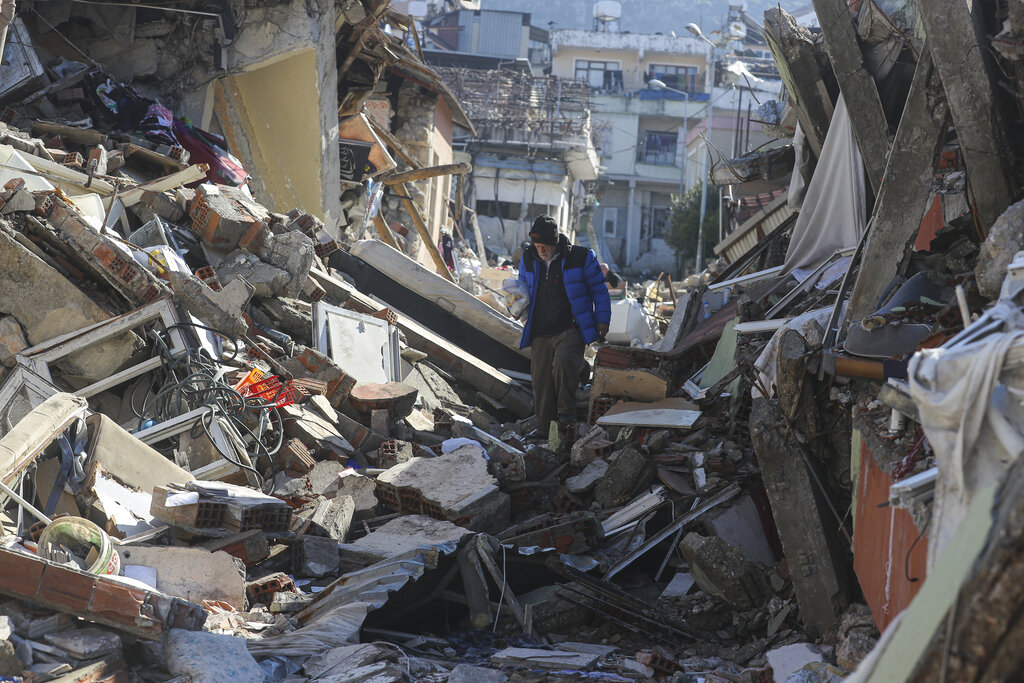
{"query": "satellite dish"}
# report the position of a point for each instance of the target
(607, 10)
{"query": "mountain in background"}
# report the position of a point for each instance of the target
(639, 16)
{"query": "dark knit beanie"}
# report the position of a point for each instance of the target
(544, 230)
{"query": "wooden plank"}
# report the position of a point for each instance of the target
(424, 232)
(805, 70)
(168, 182)
(959, 48)
(426, 172)
(857, 85)
(905, 190)
(384, 231)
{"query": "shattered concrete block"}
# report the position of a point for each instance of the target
(445, 488)
(627, 470)
(722, 570)
(323, 478)
(268, 281)
(855, 637)
(788, 659)
(262, 590)
(210, 657)
(85, 643)
(393, 452)
(398, 536)
(21, 201)
(222, 309)
(397, 398)
(48, 305)
(1003, 241)
(12, 340)
(222, 215)
(315, 556)
(292, 316)
(579, 456)
(360, 488)
(285, 602)
(333, 518)
(6, 627)
(467, 673)
(291, 252)
(586, 480)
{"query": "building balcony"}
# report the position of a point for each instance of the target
(648, 103)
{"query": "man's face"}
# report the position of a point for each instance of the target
(545, 251)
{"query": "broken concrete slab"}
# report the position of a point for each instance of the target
(10, 663)
(47, 305)
(452, 486)
(85, 643)
(402, 535)
(812, 546)
(292, 252)
(221, 310)
(339, 660)
(268, 281)
(543, 659)
(628, 470)
(34, 432)
(586, 480)
(209, 657)
(467, 673)
(360, 488)
(315, 556)
(721, 570)
(222, 215)
(333, 518)
(194, 574)
(582, 452)
(397, 398)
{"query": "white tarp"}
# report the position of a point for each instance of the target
(971, 400)
(832, 215)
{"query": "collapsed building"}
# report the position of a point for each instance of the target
(251, 429)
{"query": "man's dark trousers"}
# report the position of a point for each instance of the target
(555, 368)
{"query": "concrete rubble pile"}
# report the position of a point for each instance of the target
(238, 444)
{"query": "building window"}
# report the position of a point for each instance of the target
(602, 76)
(658, 148)
(686, 78)
(660, 221)
(611, 217)
(505, 210)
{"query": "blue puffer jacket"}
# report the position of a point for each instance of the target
(584, 284)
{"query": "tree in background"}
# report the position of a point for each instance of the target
(684, 223)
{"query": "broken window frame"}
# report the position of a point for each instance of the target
(39, 357)
(220, 433)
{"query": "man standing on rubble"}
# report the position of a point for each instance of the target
(569, 308)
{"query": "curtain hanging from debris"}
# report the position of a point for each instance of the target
(833, 212)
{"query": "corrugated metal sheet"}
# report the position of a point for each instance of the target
(500, 33)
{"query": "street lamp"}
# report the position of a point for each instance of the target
(695, 30)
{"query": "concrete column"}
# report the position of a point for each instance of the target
(632, 236)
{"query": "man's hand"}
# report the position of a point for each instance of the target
(602, 330)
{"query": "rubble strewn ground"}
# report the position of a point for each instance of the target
(242, 445)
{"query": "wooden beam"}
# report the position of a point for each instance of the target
(805, 71)
(426, 172)
(391, 141)
(421, 228)
(384, 231)
(905, 190)
(959, 49)
(857, 85)
(481, 249)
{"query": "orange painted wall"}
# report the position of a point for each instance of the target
(882, 538)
